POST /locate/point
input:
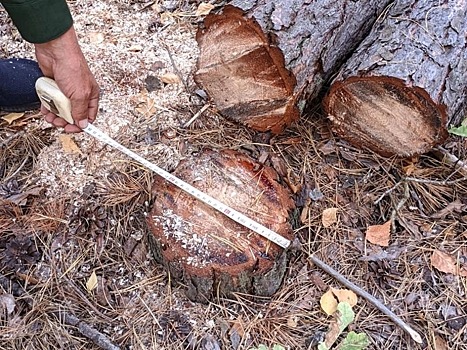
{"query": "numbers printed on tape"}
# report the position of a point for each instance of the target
(50, 94)
(212, 202)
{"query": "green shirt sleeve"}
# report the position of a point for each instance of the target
(39, 21)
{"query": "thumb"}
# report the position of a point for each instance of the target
(79, 111)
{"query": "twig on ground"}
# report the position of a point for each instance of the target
(445, 156)
(175, 66)
(17, 170)
(421, 181)
(436, 182)
(399, 205)
(89, 332)
(197, 114)
(11, 138)
(387, 192)
(85, 329)
(367, 296)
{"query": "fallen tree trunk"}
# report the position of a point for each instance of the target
(406, 81)
(208, 252)
(257, 64)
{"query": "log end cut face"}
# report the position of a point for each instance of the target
(243, 74)
(385, 115)
(206, 250)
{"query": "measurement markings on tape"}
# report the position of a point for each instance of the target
(212, 202)
(55, 100)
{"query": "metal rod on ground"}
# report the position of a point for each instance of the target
(370, 298)
(50, 95)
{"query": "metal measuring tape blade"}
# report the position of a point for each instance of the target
(54, 100)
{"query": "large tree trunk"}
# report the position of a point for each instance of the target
(205, 250)
(244, 57)
(406, 81)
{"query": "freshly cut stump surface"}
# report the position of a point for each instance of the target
(205, 250)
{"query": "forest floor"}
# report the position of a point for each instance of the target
(72, 212)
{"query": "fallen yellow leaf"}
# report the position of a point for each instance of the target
(91, 284)
(329, 217)
(203, 9)
(328, 302)
(68, 145)
(446, 263)
(135, 48)
(345, 295)
(11, 117)
(379, 234)
(170, 78)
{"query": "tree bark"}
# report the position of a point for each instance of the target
(257, 65)
(406, 81)
(205, 250)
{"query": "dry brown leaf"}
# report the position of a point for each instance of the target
(440, 343)
(328, 302)
(379, 234)
(91, 284)
(329, 217)
(11, 117)
(68, 145)
(96, 37)
(238, 326)
(454, 207)
(146, 106)
(292, 321)
(22, 198)
(204, 9)
(446, 263)
(345, 295)
(305, 212)
(170, 78)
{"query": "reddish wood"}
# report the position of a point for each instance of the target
(406, 81)
(204, 249)
(258, 64)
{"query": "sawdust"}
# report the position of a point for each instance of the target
(174, 226)
(125, 42)
(121, 60)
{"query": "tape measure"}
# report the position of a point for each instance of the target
(59, 104)
(55, 101)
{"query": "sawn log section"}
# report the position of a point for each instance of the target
(407, 80)
(259, 64)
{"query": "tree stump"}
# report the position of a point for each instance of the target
(260, 58)
(205, 250)
(406, 81)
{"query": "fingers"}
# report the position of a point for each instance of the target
(63, 60)
(60, 123)
(93, 107)
(84, 108)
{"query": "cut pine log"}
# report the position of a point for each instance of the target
(208, 252)
(260, 59)
(406, 82)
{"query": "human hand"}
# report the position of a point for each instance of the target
(62, 60)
